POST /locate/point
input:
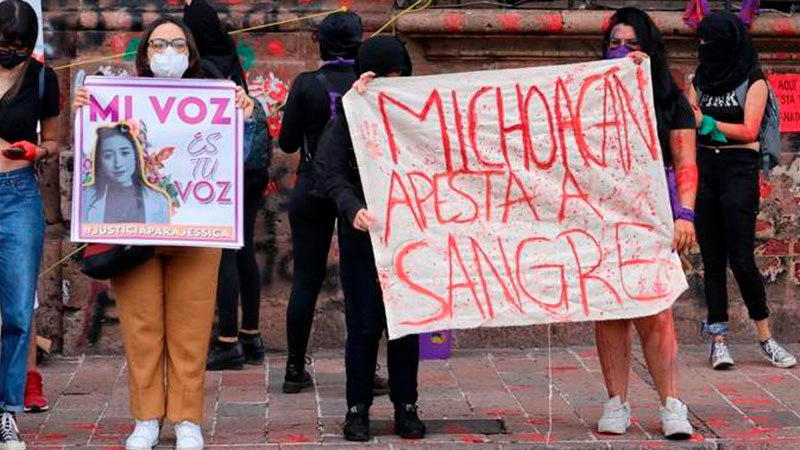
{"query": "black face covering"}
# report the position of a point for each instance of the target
(383, 55)
(340, 35)
(9, 60)
(213, 42)
(726, 55)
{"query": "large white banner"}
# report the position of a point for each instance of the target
(516, 197)
(158, 162)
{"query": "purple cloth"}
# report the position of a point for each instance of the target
(339, 61)
(695, 11)
(616, 53)
(672, 187)
(750, 9)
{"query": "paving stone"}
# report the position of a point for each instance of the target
(753, 406)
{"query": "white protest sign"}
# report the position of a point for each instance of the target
(158, 162)
(516, 197)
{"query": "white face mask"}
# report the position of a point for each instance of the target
(169, 63)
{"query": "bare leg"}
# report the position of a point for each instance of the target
(763, 329)
(613, 338)
(660, 347)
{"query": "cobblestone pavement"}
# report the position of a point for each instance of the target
(752, 406)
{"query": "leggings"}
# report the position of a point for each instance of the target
(366, 322)
(727, 206)
(311, 219)
(238, 270)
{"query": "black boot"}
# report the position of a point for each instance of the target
(297, 378)
(253, 348)
(406, 422)
(225, 356)
(356, 424)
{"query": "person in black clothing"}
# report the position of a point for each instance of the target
(311, 103)
(364, 309)
(29, 99)
(238, 270)
(729, 95)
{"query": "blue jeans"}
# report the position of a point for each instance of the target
(21, 242)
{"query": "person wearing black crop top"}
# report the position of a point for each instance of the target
(311, 217)
(632, 33)
(729, 123)
(28, 98)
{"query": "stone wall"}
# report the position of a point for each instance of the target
(78, 313)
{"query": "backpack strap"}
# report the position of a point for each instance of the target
(333, 94)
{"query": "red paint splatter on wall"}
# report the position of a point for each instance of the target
(552, 23)
(511, 22)
(276, 48)
(606, 23)
(118, 44)
(453, 22)
(784, 27)
(765, 188)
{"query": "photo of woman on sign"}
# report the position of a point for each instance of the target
(119, 192)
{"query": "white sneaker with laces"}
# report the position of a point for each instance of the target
(616, 417)
(9, 433)
(674, 420)
(145, 435)
(190, 436)
(777, 355)
(720, 358)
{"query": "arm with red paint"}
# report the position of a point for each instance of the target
(684, 157)
(754, 106)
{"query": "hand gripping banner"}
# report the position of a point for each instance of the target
(516, 197)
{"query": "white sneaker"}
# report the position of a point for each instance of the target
(190, 436)
(616, 417)
(9, 433)
(674, 420)
(720, 358)
(145, 435)
(777, 355)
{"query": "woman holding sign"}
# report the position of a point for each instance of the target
(28, 98)
(730, 96)
(364, 310)
(631, 33)
(166, 305)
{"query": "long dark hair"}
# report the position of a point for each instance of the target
(18, 26)
(143, 61)
(100, 177)
(652, 43)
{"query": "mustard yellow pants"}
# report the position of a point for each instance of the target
(166, 309)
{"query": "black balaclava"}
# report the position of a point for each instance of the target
(213, 42)
(727, 56)
(339, 36)
(383, 55)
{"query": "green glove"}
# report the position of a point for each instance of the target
(709, 127)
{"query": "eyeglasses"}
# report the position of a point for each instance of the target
(632, 44)
(9, 50)
(159, 45)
